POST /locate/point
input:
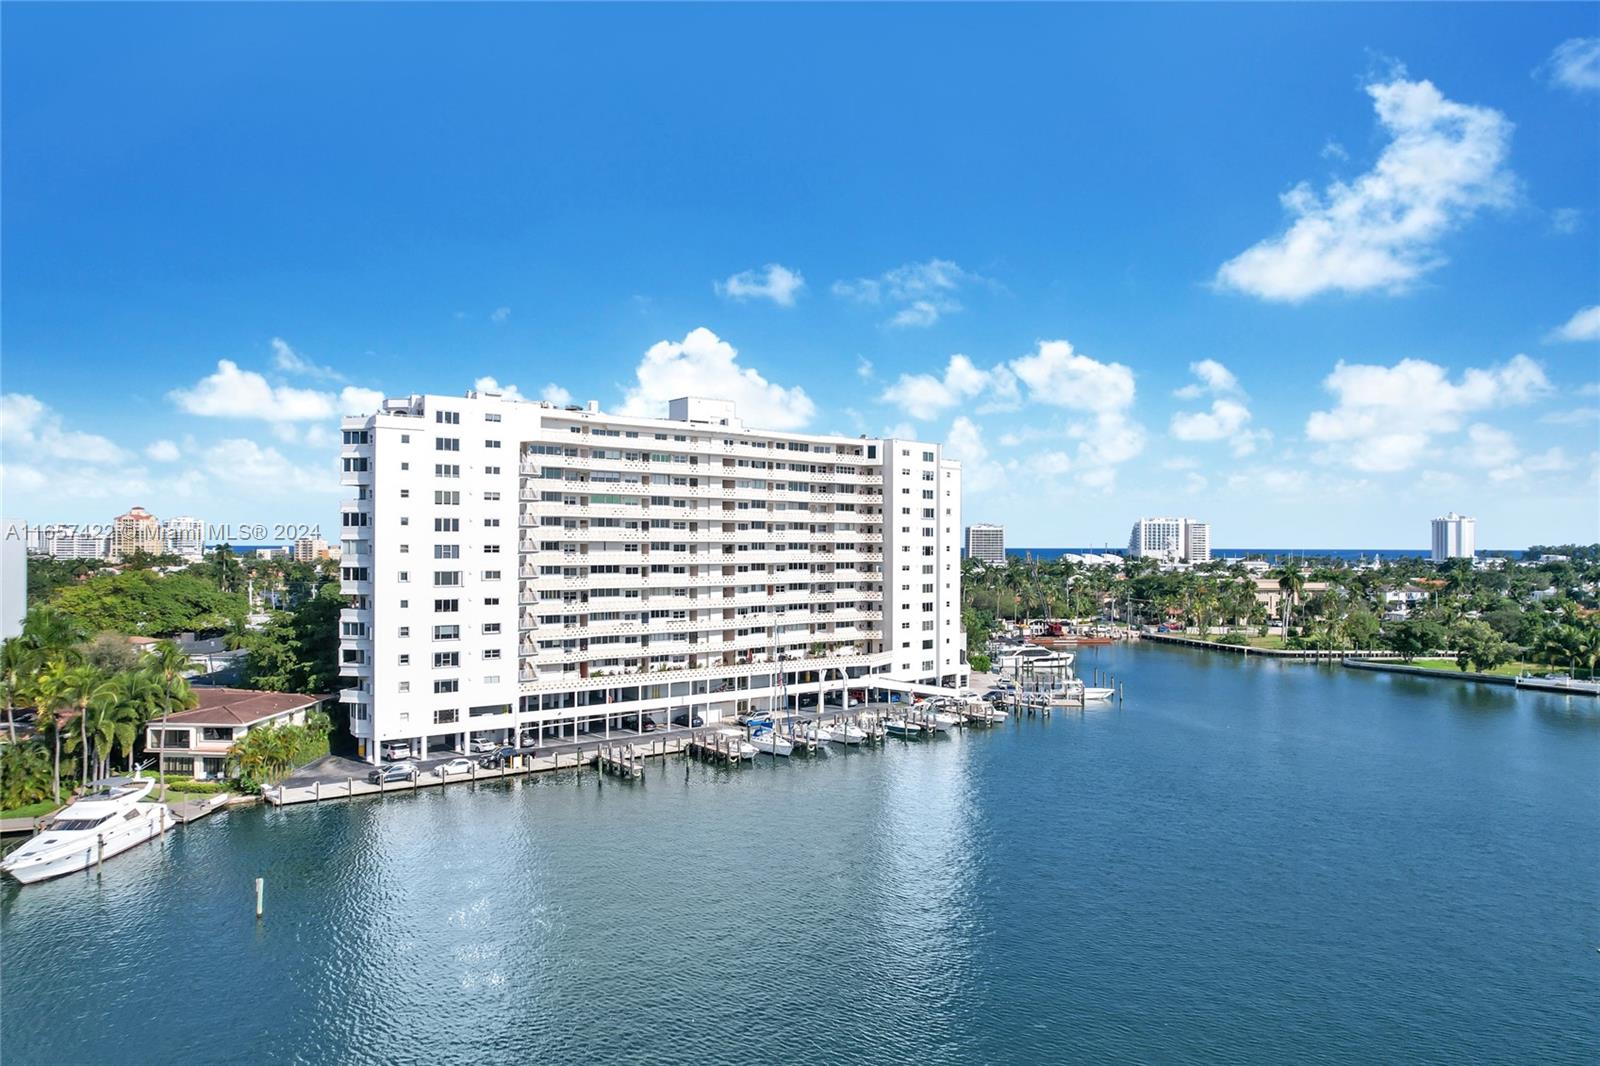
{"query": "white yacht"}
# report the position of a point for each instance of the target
(766, 740)
(89, 830)
(842, 733)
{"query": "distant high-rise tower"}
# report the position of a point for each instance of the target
(184, 536)
(1454, 537)
(986, 543)
(1171, 539)
(136, 531)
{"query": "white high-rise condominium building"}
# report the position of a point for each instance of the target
(68, 542)
(1172, 539)
(986, 543)
(519, 568)
(184, 536)
(1454, 537)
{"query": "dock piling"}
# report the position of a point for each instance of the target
(261, 885)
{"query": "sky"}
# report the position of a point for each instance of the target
(1312, 273)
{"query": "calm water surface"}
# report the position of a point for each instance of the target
(1246, 862)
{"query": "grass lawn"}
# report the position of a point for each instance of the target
(1511, 669)
(32, 810)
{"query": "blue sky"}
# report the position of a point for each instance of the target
(1312, 273)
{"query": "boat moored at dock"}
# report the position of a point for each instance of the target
(89, 830)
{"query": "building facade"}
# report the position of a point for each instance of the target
(184, 536)
(136, 531)
(1171, 539)
(986, 543)
(67, 542)
(310, 549)
(521, 570)
(1454, 537)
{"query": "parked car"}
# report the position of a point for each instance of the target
(497, 758)
(685, 718)
(478, 747)
(454, 766)
(398, 771)
(396, 750)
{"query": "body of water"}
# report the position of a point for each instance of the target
(1246, 862)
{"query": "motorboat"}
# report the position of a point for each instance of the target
(737, 744)
(768, 741)
(902, 727)
(842, 733)
(90, 829)
(1091, 692)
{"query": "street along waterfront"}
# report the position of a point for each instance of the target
(1247, 861)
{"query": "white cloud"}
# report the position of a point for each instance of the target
(864, 369)
(1575, 64)
(1273, 479)
(358, 401)
(1582, 326)
(551, 393)
(979, 472)
(1056, 374)
(1387, 416)
(162, 451)
(1497, 452)
(702, 364)
(1566, 221)
(264, 471)
(28, 424)
(555, 394)
(921, 292)
(774, 282)
(924, 396)
(235, 393)
(1228, 418)
(1444, 160)
(499, 314)
(290, 361)
(1575, 416)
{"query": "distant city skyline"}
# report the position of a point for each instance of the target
(1108, 297)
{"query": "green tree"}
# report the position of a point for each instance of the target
(1478, 646)
(24, 774)
(1416, 636)
(1291, 583)
(141, 602)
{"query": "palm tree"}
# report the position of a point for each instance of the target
(166, 664)
(80, 687)
(19, 673)
(1292, 584)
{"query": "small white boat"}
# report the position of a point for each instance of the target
(842, 733)
(902, 727)
(771, 743)
(1092, 693)
(737, 744)
(89, 830)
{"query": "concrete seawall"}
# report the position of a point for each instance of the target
(1423, 671)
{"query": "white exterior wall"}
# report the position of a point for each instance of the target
(1454, 537)
(986, 543)
(723, 564)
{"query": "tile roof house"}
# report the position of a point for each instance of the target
(197, 741)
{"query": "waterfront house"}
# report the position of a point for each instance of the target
(196, 742)
(1270, 596)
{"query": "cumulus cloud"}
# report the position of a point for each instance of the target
(1386, 417)
(290, 361)
(703, 364)
(1582, 326)
(1575, 64)
(264, 471)
(499, 315)
(162, 451)
(234, 393)
(29, 425)
(774, 282)
(1058, 375)
(864, 369)
(979, 472)
(1497, 452)
(920, 293)
(555, 394)
(924, 396)
(1228, 417)
(551, 393)
(1443, 162)
(1566, 221)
